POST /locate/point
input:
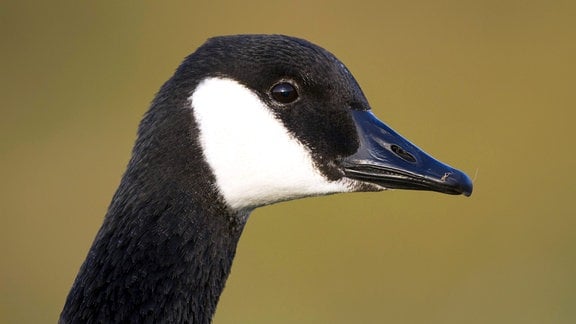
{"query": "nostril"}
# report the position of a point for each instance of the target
(402, 153)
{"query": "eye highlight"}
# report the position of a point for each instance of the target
(284, 92)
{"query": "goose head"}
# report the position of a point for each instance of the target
(280, 118)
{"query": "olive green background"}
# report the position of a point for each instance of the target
(486, 86)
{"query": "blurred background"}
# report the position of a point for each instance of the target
(486, 86)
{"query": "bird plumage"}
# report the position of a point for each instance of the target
(216, 143)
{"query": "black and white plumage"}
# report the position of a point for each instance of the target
(245, 121)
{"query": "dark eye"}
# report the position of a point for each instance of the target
(284, 92)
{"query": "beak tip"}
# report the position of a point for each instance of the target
(463, 183)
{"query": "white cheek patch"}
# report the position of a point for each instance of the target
(254, 159)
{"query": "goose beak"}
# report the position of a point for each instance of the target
(388, 160)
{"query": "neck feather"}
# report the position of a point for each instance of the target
(163, 261)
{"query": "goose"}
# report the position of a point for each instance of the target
(245, 121)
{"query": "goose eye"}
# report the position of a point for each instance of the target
(284, 92)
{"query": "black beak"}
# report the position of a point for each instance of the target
(388, 160)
